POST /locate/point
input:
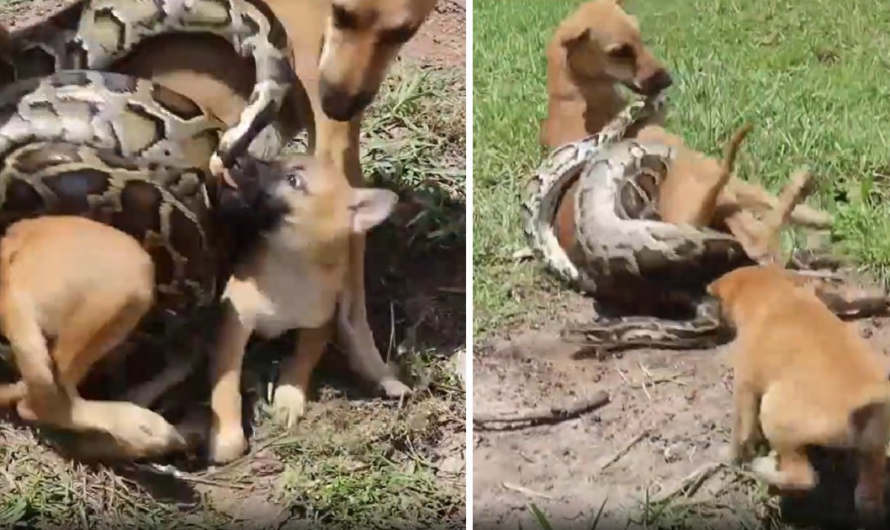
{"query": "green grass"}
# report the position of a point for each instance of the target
(811, 76)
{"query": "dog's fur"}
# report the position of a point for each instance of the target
(341, 51)
(293, 277)
(84, 309)
(597, 48)
(808, 377)
(680, 201)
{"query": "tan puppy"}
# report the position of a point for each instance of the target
(593, 50)
(810, 380)
(359, 39)
(294, 277)
(85, 309)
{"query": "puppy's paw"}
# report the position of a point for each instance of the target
(393, 388)
(288, 405)
(767, 468)
(226, 446)
(140, 433)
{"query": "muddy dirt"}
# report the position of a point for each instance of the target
(668, 417)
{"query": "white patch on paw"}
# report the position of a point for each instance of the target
(288, 405)
(767, 467)
(227, 446)
(393, 388)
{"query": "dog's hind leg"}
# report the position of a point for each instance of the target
(289, 402)
(40, 393)
(753, 197)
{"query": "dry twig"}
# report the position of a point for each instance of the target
(690, 484)
(553, 414)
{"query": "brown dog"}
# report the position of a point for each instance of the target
(593, 50)
(86, 308)
(295, 277)
(342, 50)
(597, 48)
(809, 379)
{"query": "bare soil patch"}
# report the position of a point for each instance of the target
(669, 417)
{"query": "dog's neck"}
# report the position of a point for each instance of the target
(577, 107)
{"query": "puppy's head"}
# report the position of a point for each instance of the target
(361, 40)
(300, 203)
(748, 286)
(603, 42)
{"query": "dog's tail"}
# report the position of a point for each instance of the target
(731, 151)
(870, 418)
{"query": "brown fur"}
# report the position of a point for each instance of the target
(356, 60)
(689, 192)
(88, 307)
(595, 48)
(808, 378)
(294, 279)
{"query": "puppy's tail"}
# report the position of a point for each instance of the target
(730, 152)
(869, 419)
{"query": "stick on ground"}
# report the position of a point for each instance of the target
(553, 414)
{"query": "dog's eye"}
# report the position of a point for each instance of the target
(295, 181)
(399, 35)
(344, 19)
(623, 52)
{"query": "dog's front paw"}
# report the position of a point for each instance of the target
(288, 405)
(766, 468)
(393, 388)
(227, 445)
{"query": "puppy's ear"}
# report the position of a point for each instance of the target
(620, 3)
(370, 207)
(574, 36)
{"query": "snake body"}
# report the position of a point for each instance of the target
(638, 268)
(93, 34)
(122, 151)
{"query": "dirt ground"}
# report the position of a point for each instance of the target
(667, 419)
(416, 304)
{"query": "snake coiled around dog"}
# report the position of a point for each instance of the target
(132, 154)
(626, 257)
(93, 34)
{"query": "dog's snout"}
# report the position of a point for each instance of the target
(657, 82)
(339, 105)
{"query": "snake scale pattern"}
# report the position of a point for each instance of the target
(123, 151)
(93, 34)
(627, 259)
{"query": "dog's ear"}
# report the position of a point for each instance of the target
(619, 3)
(370, 207)
(573, 37)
